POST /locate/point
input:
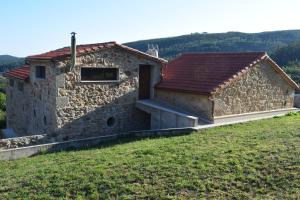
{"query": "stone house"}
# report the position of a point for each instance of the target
(114, 88)
(215, 86)
(47, 96)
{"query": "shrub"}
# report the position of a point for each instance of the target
(2, 101)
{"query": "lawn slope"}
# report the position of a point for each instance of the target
(253, 160)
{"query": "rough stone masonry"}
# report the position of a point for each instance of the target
(67, 107)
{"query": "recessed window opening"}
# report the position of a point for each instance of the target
(20, 86)
(111, 121)
(11, 82)
(40, 72)
(99, 74)
(34, 113)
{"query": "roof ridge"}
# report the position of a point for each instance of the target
(88, 48)
(222, 53)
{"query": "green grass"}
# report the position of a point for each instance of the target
(258, 160)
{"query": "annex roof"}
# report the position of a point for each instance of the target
(21, 73)
(206, 73)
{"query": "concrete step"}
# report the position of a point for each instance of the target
(164, 115)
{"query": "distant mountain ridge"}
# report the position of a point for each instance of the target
(8, 62)
(201, 42)
(219, 42)
(7, 58)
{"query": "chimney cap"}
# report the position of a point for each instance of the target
(73, 33)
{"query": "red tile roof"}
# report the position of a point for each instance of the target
(19, 73)
(205, 73)
(88, 48)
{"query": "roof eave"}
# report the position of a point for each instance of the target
(282, 73)
(183, 91)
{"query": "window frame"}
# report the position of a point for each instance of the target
(101, 81)
(38, 72)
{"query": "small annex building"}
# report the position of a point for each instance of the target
(216, 85)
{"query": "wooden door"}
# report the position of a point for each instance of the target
(144, 81)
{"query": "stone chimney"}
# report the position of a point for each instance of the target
(153, 50)
(73, 50)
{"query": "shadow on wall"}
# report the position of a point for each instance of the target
(120, 115)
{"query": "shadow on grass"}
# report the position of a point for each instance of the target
(113, 140)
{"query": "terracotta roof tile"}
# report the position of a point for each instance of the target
(88, 48)
(19, 73)
(205, 73)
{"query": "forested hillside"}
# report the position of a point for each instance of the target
(283, 46)
(216, 42)
(8, 62)
(289, 58)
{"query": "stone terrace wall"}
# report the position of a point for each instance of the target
(261, 89)
(83, 108)
(199, 105)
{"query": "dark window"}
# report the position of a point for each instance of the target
(99, 74)
(40, 72)
(20, 86)
(11, 82)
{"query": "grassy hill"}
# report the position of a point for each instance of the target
(216, 42)
(253, 160)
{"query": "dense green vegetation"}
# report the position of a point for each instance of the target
(220, 42)
(2, 102)
(252, 160)
(289, 58)
(10, 62)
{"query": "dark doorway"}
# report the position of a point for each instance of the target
(144, 81)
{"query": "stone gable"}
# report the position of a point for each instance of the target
(260, 89)
(84, 108)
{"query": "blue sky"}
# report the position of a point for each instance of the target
(35, 26)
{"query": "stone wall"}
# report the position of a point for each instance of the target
(32, 111)
(297, 101)
(23, 141)
(42, 99)
(18, 106)
(260, 89)
(199, 105)
(85, 108)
